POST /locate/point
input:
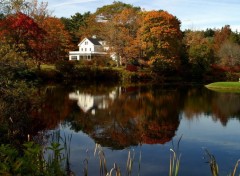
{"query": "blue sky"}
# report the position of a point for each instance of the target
(193, 14)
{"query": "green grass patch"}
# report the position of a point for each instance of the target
(224, 86)
(48, 67)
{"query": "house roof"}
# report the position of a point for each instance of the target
(94, 41)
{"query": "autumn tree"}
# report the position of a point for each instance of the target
(200, 52)
(38, 10)
(91, 27)
(57, 41)
(226, 45)
(229, 53)
(221, 36)
(122, 34)
(21, 33)
(162, 37)
(108, 12)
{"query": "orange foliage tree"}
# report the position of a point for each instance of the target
(57, 41)
(161, 36)
(221, 36)
(91, 27)
(122, 32)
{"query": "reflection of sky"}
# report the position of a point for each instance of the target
(204, 130)
(199, 133)
(203, 133)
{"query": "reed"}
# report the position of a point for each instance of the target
(175, 159)
(174, 163)
(212, 163)
(102, 159)
(235, 169)
(116, 169)
(130, 160)
(214, 166)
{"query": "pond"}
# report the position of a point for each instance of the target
(145, 122)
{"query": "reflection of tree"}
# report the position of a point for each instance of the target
(196, 102)
(222, 106)
(225, 106)
(161, 120)
(27, 110)
(53, 107)
(17, 122)
(136, 115)
(130, 115)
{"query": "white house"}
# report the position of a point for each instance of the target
(90, 47)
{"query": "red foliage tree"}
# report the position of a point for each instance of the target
(21, 32)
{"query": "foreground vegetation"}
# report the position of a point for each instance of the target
(32, 161)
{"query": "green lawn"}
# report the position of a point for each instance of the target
(48, 67)
(224, 86)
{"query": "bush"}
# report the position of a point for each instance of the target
(30, 161)
(64, 66)
(95, 73)
(15, 69)
(131, 68)
(100, 61)
(128, 76)
(163, 67)
(232, 76)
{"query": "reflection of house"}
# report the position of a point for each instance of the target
(90, 47)
(89, 103)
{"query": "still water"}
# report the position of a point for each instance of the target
(146, 121)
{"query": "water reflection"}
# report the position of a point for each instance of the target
(220, 106)
(89, 103)
(126, 116)
(119, 116)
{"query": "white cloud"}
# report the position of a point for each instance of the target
(73, 2)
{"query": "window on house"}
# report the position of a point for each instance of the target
(82, 49)
(90, 49)
(85, 49)
(86, 43)
(73, 57)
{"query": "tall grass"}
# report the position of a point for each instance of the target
(174, 163)
(103, 171)
(214, 166)
(175, 158)
(33, 162)
(212, 163)
(235, 169)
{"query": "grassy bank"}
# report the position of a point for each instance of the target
(224, 86)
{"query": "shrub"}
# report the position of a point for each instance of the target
(163, 67)
(15, 69)
(232, 76)
(131, 68)
(64, 66)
